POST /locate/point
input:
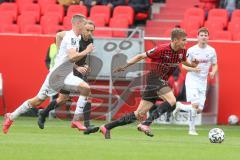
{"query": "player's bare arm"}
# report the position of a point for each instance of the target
(214, 71)
(132, 61)
(193, 64)
(59, 38)
(75, 56)
(191, 69)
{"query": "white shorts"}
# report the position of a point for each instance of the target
(196, 96)
(69, 83)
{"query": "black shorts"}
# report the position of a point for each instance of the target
(153, 86)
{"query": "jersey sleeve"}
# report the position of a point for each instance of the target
(154, 53)
(214, 57)
(189, 55)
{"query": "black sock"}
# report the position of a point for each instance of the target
(126, 119)
(50, 107)
(162, 108)
(86, 114)
(153, 108)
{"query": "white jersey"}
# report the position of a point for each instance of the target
(61, 75)
(206, 57)
(70, 41)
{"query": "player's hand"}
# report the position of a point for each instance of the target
(196, 69)
(90, 48)
(119, 69)
(83, 69)
(212, 75)
(195, 62)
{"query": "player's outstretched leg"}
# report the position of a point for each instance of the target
(144, 127)
(7, 123)
(126, 119)
(10, 117)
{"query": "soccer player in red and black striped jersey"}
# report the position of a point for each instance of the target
(165, 58)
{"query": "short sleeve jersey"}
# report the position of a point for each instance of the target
(165, 60)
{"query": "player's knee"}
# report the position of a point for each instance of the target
(172, 101)
(140, 115)
(34, 102)
(85, 89)
(62, 99)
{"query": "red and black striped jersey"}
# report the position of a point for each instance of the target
(165, 60)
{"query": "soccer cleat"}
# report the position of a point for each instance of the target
(7, 123)
(77, 124)
(91, 129)
(145, 129)
(193, 133)
(105, 132)
(41, 121)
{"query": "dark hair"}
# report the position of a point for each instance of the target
(90, 22)
(204, 30)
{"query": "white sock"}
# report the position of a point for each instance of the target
(20, 110)
(82, 100)
(192, 118)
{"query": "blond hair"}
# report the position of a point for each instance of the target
(78, 17)
(177, 33)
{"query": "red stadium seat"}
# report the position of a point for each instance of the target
(192, 13)
(49, 19)
(67, 23)
(190, 24)
(234, 27)
(214, 26)
(9, 8)
(101, 11)
(56, 10)
(124, 12)
(52, 29)
(235, 15)
(26, 20)
(120, 24)
(218, 15)
(76, 9)
(44, 3)
(99, 22)
(6, 18)
(9, 28)
(31, 9)
(19, 2)
(222, 35)
(32, 29)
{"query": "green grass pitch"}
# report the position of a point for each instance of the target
(25, 141)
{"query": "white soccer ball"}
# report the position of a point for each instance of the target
(233, 120)
(216, 135)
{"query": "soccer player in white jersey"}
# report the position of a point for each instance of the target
(67, 53)
(196, 78)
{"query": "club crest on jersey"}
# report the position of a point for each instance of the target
(73, 41)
